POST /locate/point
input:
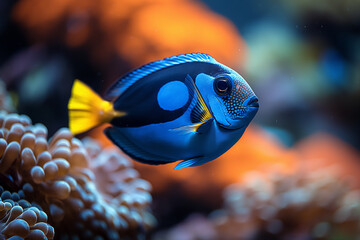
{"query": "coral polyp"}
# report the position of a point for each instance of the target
(84, 190)
(21, 220)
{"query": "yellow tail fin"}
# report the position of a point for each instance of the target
(87, 110)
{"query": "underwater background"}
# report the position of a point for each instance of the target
(295, 173)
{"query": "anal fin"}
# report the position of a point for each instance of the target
(132, 150)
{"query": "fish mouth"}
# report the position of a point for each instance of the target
(244, 119)
(231, 126)
(251, 102)
(225, 121)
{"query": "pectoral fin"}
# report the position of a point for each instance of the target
(199, 110)
(192, 162)
(200, 127)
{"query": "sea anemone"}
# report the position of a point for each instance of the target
(21, 220)
(84, 190)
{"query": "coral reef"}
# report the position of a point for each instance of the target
(20, 220)
(304, 205)
(311, 205)
(84, 190)
(323, 150)
(138, 31)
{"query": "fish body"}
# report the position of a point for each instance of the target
(187, 107)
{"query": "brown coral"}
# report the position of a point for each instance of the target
(317, 205)
(305, 205)
(84, 196)
(19, 219)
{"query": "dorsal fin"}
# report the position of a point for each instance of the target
(126, 81)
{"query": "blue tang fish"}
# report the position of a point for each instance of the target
(188, 107)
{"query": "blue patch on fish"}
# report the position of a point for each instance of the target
(188, 107)
(168, 100)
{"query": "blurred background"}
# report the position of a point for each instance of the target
(295, 172)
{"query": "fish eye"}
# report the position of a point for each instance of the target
(223, 85)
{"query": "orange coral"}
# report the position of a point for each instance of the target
(323, 150)
(177, 27)
(137, 31)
